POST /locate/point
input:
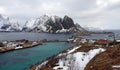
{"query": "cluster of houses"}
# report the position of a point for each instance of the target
(91, 41)
(13, 44)
(18, 44)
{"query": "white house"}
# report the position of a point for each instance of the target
(117, 40)
(83, 41)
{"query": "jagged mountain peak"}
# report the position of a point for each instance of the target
(66, 17)
(4, 17)
(44, 23)
(7, 25)
(52, 24)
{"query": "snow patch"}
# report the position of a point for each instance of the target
(77, 61)
(41, 65)
(70, 51)
(116, 66)
(30, 23)
(62, 31)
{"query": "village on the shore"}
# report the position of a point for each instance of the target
(6, 46)
(20, 44)
(88, 54)
(92, 53)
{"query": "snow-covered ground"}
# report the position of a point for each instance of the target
(77, 61)
(61, 54)
(39, 66)
(116, 66)
(72, 50)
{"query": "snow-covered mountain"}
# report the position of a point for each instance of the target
(52, 24)
(6, 25)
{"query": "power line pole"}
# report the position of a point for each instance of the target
(114, 40)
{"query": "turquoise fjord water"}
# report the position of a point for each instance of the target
(23, 59)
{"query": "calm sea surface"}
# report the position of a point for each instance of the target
(32, 36)
(104, 36)
(39, 36)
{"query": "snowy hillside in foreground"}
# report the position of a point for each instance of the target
(52, 24)
(6, 25)
(77, 61)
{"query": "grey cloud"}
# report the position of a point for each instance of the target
(85, 12)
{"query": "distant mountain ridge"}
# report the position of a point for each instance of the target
(53, 24)
(6, 25)
(45, 23)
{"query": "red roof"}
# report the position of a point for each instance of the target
(103, 41)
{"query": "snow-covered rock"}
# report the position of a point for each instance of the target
(36, 25)
(45, 23)
(52, 24)
(6, 25)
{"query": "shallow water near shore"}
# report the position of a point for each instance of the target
(23, 59)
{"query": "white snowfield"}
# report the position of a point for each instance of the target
(77, 61)
(38, 22)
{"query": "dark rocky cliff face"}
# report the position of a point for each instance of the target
(53, 24)
(67, 22)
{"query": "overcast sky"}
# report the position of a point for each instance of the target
(104, 14)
